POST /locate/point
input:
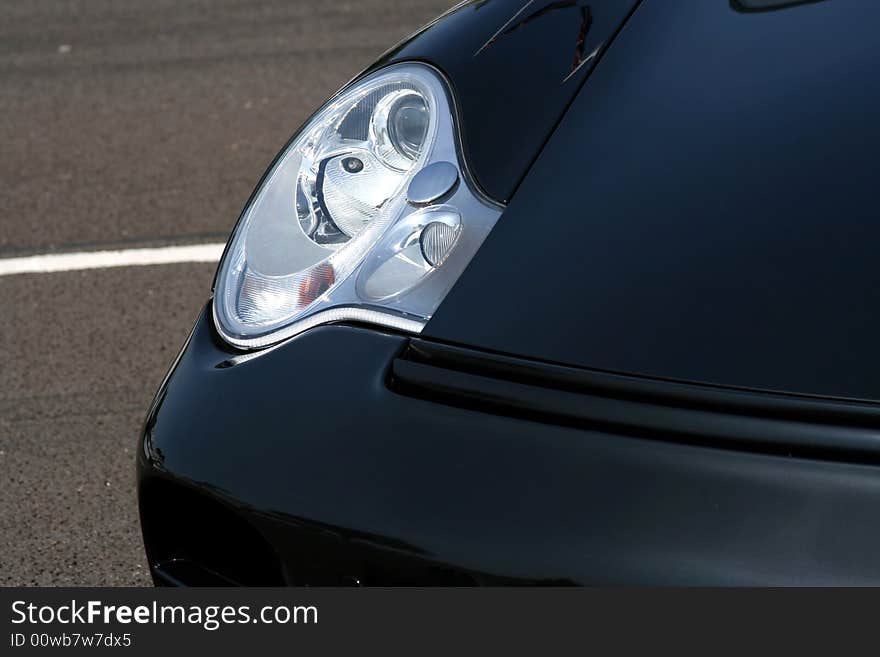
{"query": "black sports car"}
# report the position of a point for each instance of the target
(557, 292)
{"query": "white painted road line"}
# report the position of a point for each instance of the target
(42, 264)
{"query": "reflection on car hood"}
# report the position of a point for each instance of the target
(706, 210)
(515, 65)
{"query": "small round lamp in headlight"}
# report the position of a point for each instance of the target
(398, 128)
(408, 123)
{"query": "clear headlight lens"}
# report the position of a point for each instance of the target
(367, 215)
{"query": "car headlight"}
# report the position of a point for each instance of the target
(367, 215)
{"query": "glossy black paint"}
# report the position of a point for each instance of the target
(513, 89)
(706, 211)
(703, 212)
(633, 406)
(768, 5)
(308, 445)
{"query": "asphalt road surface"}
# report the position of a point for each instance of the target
(121, 125)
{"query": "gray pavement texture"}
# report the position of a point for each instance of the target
(131, 123)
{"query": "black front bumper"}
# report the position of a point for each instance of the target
(302, 465)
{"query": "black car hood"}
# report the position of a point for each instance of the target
(705, 211)
(514, 65)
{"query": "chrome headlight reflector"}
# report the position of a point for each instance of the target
(367, 215)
